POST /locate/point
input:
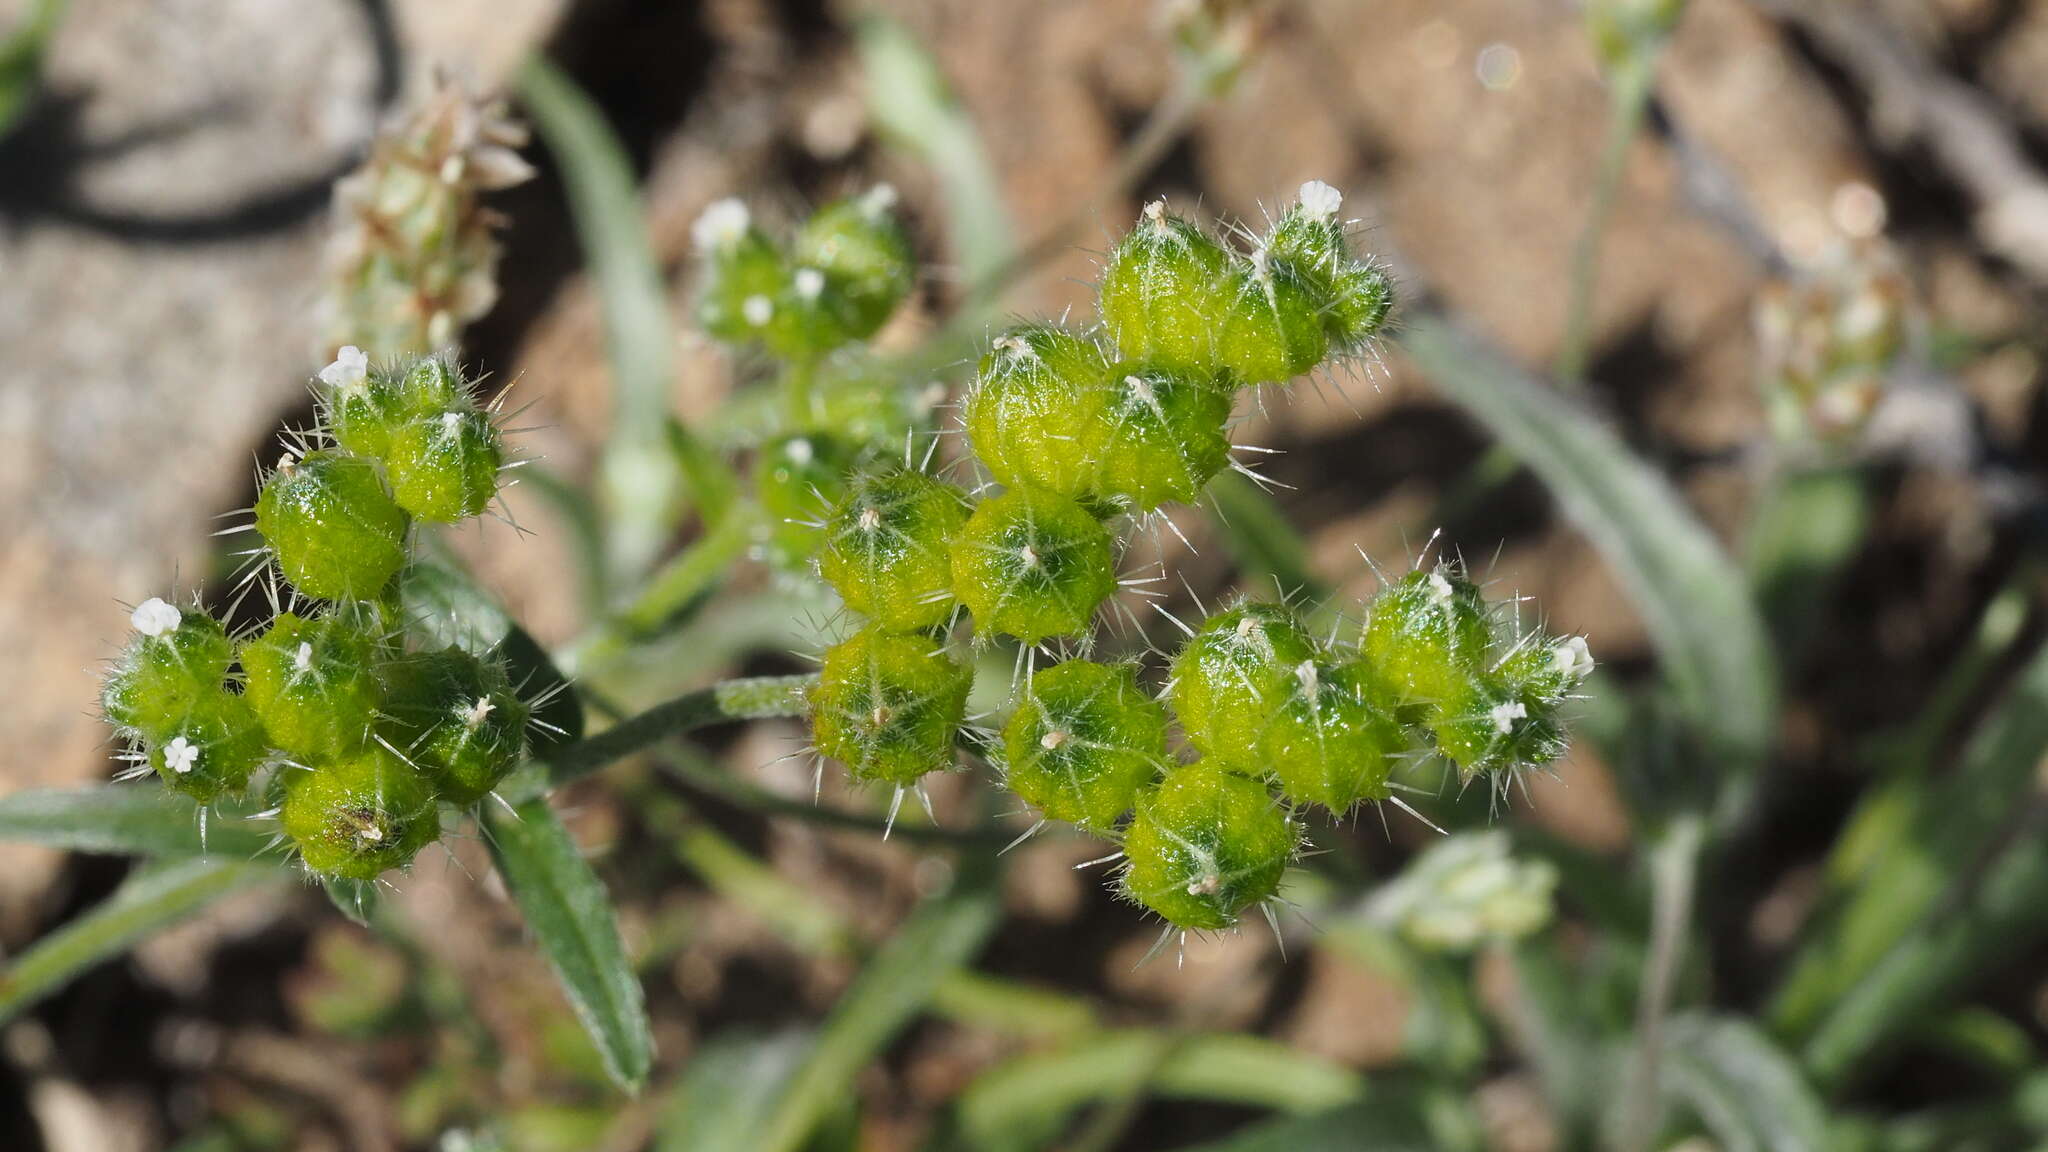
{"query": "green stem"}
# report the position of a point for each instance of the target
(766, 803)
(1674, 874)
(800, 394)
(754, 698)
(1634, 81)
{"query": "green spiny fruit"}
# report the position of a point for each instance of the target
(1361, 301)
(1159, 437)
(1082, 743)
(1508, 716)
(360, 403)
(1272, 327)
(335, 531)
(863, 254)
(1032, 564)
(1233, 674)
(175, 660)
(889, 706)
(1428, 635)
(366, 406)
(313, 682)
(743, 274)
(359, 817)
(798, 479)
(1310, 236)
(1037, 407)
(1332, 742)
(443, 464)
(1205, 845)
(456, 718)
(888, 544)
(211, 749)
(1160, 297)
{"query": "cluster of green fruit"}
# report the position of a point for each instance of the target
(369, 737)
(1084, 432)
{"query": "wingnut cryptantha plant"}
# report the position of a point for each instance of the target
(1073, 436)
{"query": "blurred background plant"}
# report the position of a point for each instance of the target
(1781, 263)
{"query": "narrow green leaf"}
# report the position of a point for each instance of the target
(570, 914)
(445, 607)
(729, 1091)
(1736, 1084)
(1692, 597)
(154, 898)
(638, 476)
(1957, 886)
(938, 939)
(1029, 1099)
(915, 107)
(139, 820)
(1392, 1117)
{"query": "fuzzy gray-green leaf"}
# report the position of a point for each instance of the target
(570, 914)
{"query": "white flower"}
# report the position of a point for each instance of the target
(1573, 659)
(1439, 588)
(1319, 201)
(799, 451)
(154, 617)
(180, 755)
(878, 200)
(721, 226)
(1505, 715)
(809, 283)
(351, 366)
(474, 716)
(758, 310)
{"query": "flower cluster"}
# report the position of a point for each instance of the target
(1083, 432)
(373, 736)
(1828, 344)
(413, 256)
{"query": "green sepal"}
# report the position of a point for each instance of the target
(359, 817)
(1083, 741)
(889, 706)
(1033, 564)
(1206, 845)
(336, 533)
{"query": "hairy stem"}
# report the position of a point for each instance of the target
(1633, 85)
(753, 698)
(1674, 872)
